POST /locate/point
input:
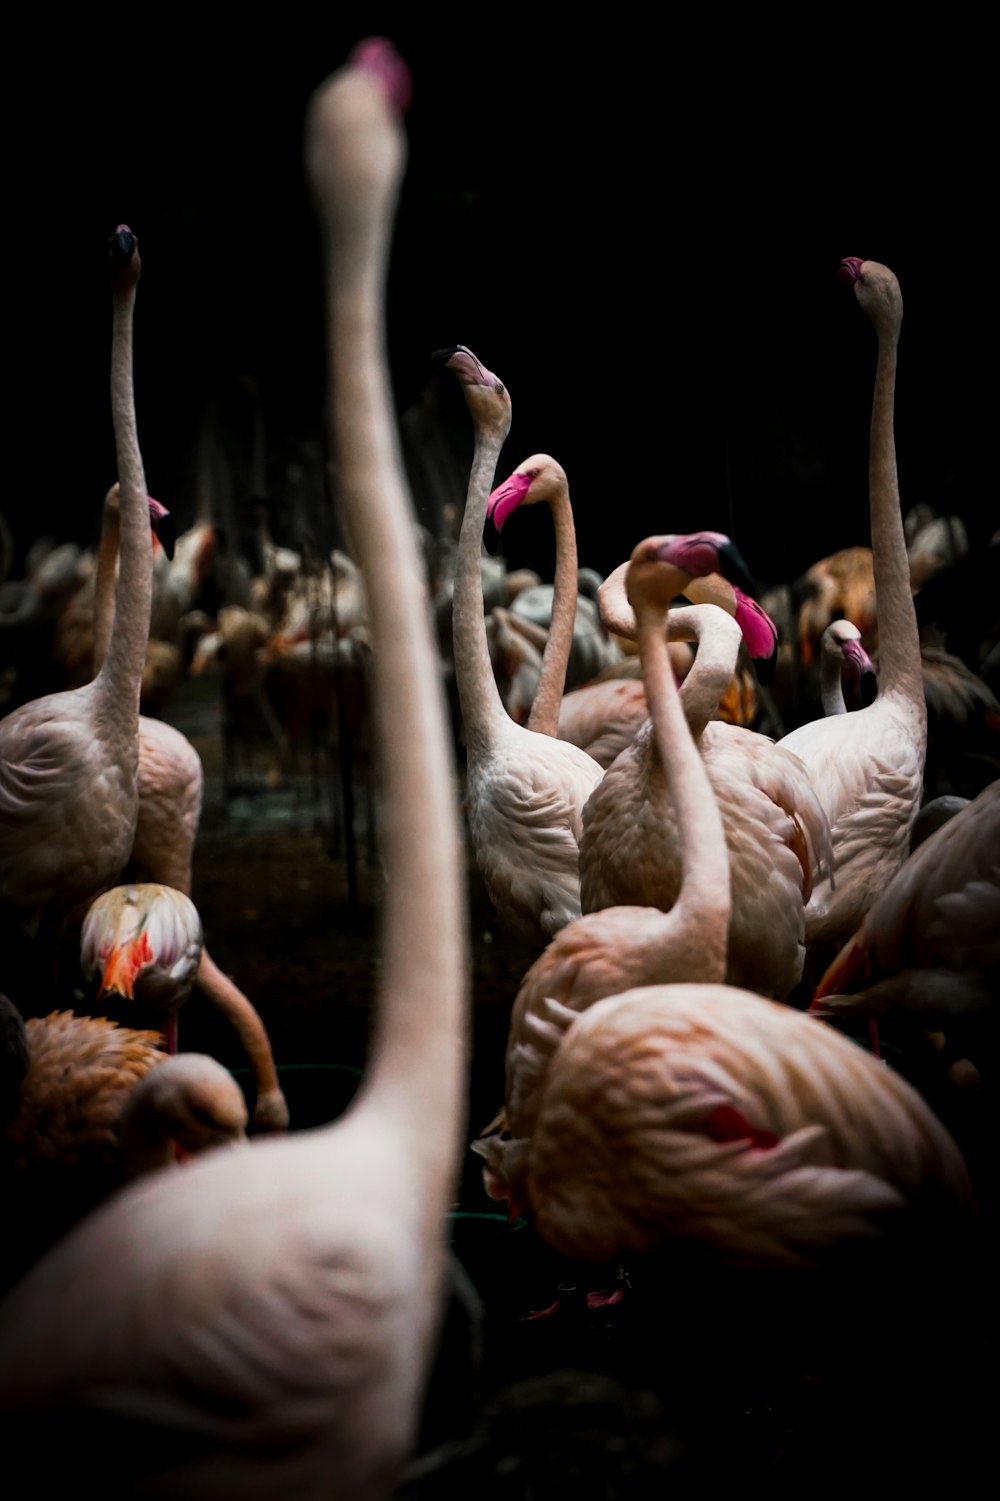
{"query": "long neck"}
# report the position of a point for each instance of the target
(831, 684)
(705, 890)
(416, 1069)
(483, 713)
(898, 640)
(104, 582)
(120, 677)
(544, 716)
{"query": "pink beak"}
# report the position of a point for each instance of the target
(506, 498)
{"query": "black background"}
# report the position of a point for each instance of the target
(637, 229)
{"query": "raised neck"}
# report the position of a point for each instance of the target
(900, 669)
(119, 680)
(544, 716)
(483, 713)
(356, 154)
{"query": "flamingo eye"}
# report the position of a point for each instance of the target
(533, 473)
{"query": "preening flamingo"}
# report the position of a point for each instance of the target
(69, 761)
(171, 784)
(867, 767)
(841, 651)
(775, 828)
(525, 790)
(620, 947)
(274, 1319)
(741, 1127)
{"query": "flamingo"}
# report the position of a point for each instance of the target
(603, 717)
(274, 1321)
(86, 1117)
(840, 651)
(929, 947)
(541, 479)
(69, 761)
(618, 947)
(776, 831)
(744, 1128)
(867, 767)
(525, 790)
(702, 1113)
(170, 786)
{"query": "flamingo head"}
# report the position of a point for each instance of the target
(486, 396)
(123, 257)
(377, 55)
(699, 553)
(843, 639)
(875, 287)
(162, 523)
(539, 478)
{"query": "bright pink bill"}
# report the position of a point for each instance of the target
(506, 498)
(849, 270)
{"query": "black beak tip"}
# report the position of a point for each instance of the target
(869, 688)
(441, 356)
(167, 534)
(735, 569)
(491, 537)
(122, 245)
(764, 667)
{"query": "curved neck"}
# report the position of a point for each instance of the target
(705, 889)
(718, 637)
(483, 713)
(544, 716)
(120, 676)
(416, 1067)
(898, 639)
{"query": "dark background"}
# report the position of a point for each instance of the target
(637, 230)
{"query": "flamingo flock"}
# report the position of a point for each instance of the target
(204, 1302)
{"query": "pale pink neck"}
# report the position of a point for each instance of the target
(483, 713)
(104, 581)
(544, 716)
(120, 678)
(900, 671)
(704, 898)
(416, 1068)
(717, 634)
(831, 683)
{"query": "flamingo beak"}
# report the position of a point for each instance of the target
(504, 500)
(162, 523)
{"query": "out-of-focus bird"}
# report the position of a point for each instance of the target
(171, 786)
(69, 761)
(86, 1117)
(144, 942)
(929, 947)
(867, 767)
(269, 1333)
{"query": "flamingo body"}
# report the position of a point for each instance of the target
(740, 1126)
